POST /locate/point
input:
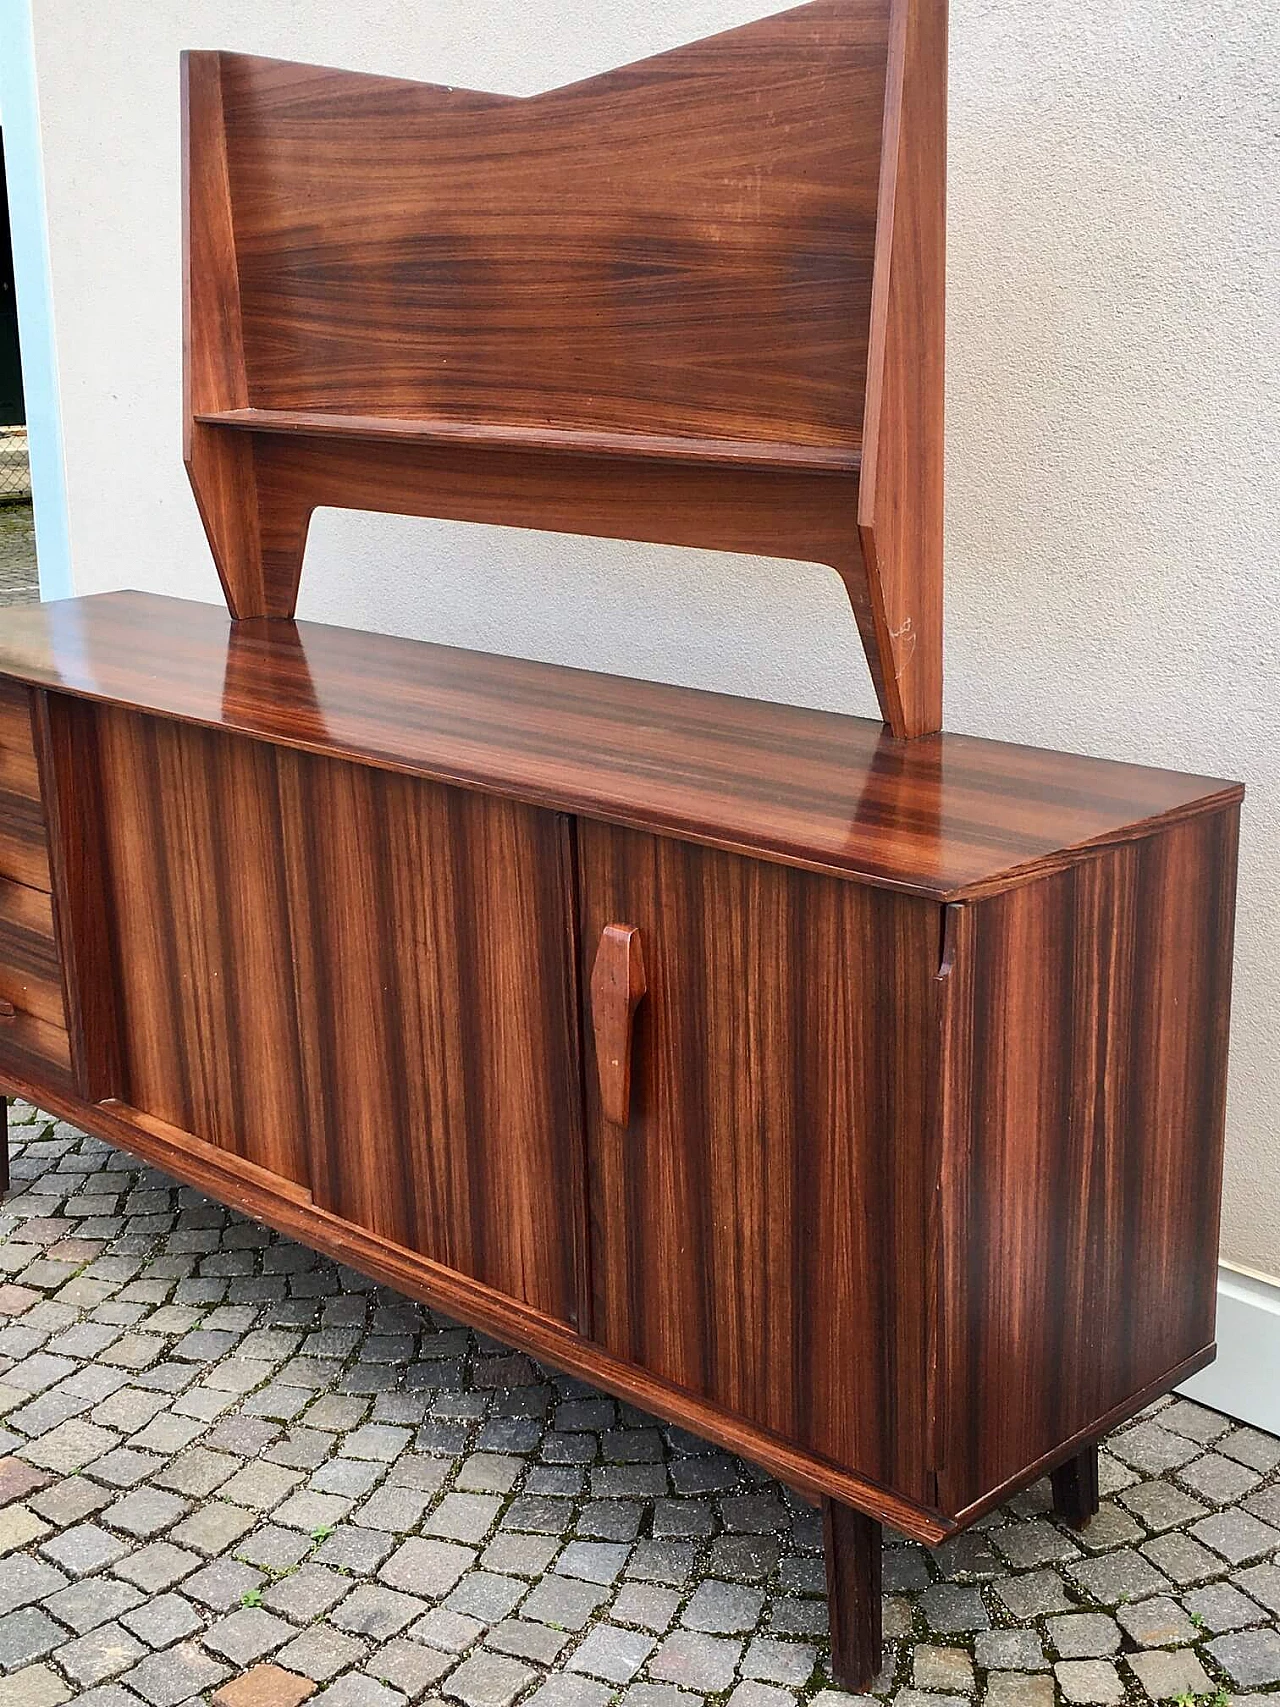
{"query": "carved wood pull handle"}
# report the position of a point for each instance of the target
(617, 989)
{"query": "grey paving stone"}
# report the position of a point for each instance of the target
(696, 1661)
(163, 1620)
(563, 1602)
(102, 1654)
(84, 1549)
(377, 1612)
(320, 1653)
(1197, 1422)
(1236, 1535)
(23, 1579)
(753, 1694)
(1250, 1446)
(306, 1593)
(213, 1527)
(453, 1632)
(594, 1561)
(722, 1608)
(1161, 1505)
(1182, 1559)
(770, 1661)
(427, 1566)
(1215, 1478)
(1083, 1635)
(1018, 1689)
(408, 1667)
(1113, 1577)
(34, 1686)
(84, 1605)
(744, 1558)
(669, 1562)
(174, 1676)
(519, 1555)
(1110, 1527)
(610, 1652)
(645, 1604)
(145, 1512)
(1034, 1543)
(158, 1566)
(1221, 1606)
(1032, 1594)
(377, 1441)
(247, 1634)
(1009, 1650)
(1249, 1657)
(566, 1690)
(222, 1584)
(916, 1698)
(1156, 1623)
(933, 1667)
(1261, 1583)
(487, 1597)
(1152, 1449)
(1089, 1681)
(27, 1634)
(350, 1548)
(464, 1517)
(274, 1549)
(358, 1690)
(488, 1680)
(1166, 1676)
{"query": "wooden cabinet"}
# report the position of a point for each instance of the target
(856, 1103)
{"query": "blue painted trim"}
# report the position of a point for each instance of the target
(24, 166)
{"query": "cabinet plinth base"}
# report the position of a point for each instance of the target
(853, 1547)
(1075, 1488)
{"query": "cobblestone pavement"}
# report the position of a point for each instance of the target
(18, 584)
(233, 1471)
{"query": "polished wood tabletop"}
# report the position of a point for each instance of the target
(946, 816)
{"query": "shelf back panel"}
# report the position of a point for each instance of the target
(680, 246)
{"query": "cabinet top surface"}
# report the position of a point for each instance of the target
(943, 816)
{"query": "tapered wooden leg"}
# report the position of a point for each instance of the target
(853, 1547)
(1075, 1488)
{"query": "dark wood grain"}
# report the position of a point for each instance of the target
(853, 1552)
(944, 817)
(82, 910)
(437, 1022)
(761, 1225)
(608, 301)
(202, 963)
(1084, 1093)
(900, 496)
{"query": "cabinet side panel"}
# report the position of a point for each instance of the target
(195, 887)
(760, 1227)
(1085, 1097)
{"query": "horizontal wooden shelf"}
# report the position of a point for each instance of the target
(778, 454)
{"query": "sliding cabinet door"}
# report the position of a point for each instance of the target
(762, 1207)
(434, 947)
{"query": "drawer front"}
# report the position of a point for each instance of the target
(34, 1044)
(762, 1190)
(24, 853)
(30, 977)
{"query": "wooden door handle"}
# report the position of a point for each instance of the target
(617, 989)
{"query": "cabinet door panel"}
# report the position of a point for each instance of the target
(762, 1227)
(434, 943)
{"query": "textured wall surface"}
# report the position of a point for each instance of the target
(1114, 358)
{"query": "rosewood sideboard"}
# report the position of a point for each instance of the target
(849, 1094)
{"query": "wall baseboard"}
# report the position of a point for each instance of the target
(1244, 1382)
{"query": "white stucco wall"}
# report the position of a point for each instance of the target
(1114, 351)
